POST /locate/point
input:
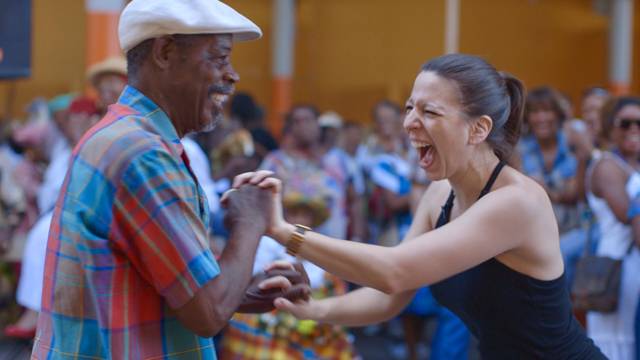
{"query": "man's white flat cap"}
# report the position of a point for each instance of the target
(149, 19)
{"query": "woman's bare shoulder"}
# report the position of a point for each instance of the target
(522, 192)
(609, 171)
(430, 206)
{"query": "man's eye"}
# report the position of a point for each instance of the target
(220, 59)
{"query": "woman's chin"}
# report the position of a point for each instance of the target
(432, 175)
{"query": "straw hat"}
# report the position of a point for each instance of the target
(330, 119)
(317, 205)
(113, 65)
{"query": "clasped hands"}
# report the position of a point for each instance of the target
(281, 279)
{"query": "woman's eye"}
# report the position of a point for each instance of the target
(408, 109)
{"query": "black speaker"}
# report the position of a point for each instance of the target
(15, 38)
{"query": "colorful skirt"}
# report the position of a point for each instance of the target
(278, 335)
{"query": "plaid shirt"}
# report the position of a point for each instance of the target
(128, 244)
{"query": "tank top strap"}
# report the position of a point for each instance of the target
(620, 161)
(492, 179)
(446, 209)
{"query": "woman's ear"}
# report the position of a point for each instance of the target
(480, 129)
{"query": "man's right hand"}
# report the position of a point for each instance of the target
(265, 180)
(248, 208)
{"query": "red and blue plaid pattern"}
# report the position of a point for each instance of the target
(127, 245)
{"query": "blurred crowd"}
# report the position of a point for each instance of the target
(349, 180)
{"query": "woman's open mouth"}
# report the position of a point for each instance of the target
(426, 151)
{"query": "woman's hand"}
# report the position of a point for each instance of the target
(264, 179)
(301, 308)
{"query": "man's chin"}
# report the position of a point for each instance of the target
(212, 125)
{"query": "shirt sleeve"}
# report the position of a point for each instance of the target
(160, 228)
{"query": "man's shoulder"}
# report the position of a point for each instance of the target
(115, 142)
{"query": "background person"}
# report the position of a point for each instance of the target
(612, 180)
(547, 158)
(305, 163)
(29, 290)
(108, 78)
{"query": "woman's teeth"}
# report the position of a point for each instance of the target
(418, 144)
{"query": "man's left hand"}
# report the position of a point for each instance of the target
(288, 281)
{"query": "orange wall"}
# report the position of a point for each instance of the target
(351, 53)
(562, 43)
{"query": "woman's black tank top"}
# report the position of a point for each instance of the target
(513, 316)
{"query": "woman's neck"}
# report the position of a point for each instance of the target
(306, 151)
(548, 143)
(469, 184)
(603, 143)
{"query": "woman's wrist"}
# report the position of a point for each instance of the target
(282, 232)
(319, 310)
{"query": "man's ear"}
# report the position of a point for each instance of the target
(479, 129)
(162, 50)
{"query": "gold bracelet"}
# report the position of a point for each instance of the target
(296, 239)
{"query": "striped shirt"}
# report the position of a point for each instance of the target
(128, 244)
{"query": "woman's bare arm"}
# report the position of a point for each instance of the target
(501, 221)
(366, 305)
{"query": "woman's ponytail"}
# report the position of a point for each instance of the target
(513, 126)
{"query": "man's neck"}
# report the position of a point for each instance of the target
(153, 90)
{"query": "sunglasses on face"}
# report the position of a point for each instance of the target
(625, 124)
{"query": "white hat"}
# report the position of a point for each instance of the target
(330, 119)
(148, 19)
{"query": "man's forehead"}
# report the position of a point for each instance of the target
(220, 42)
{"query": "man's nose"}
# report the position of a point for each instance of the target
(231, 75)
